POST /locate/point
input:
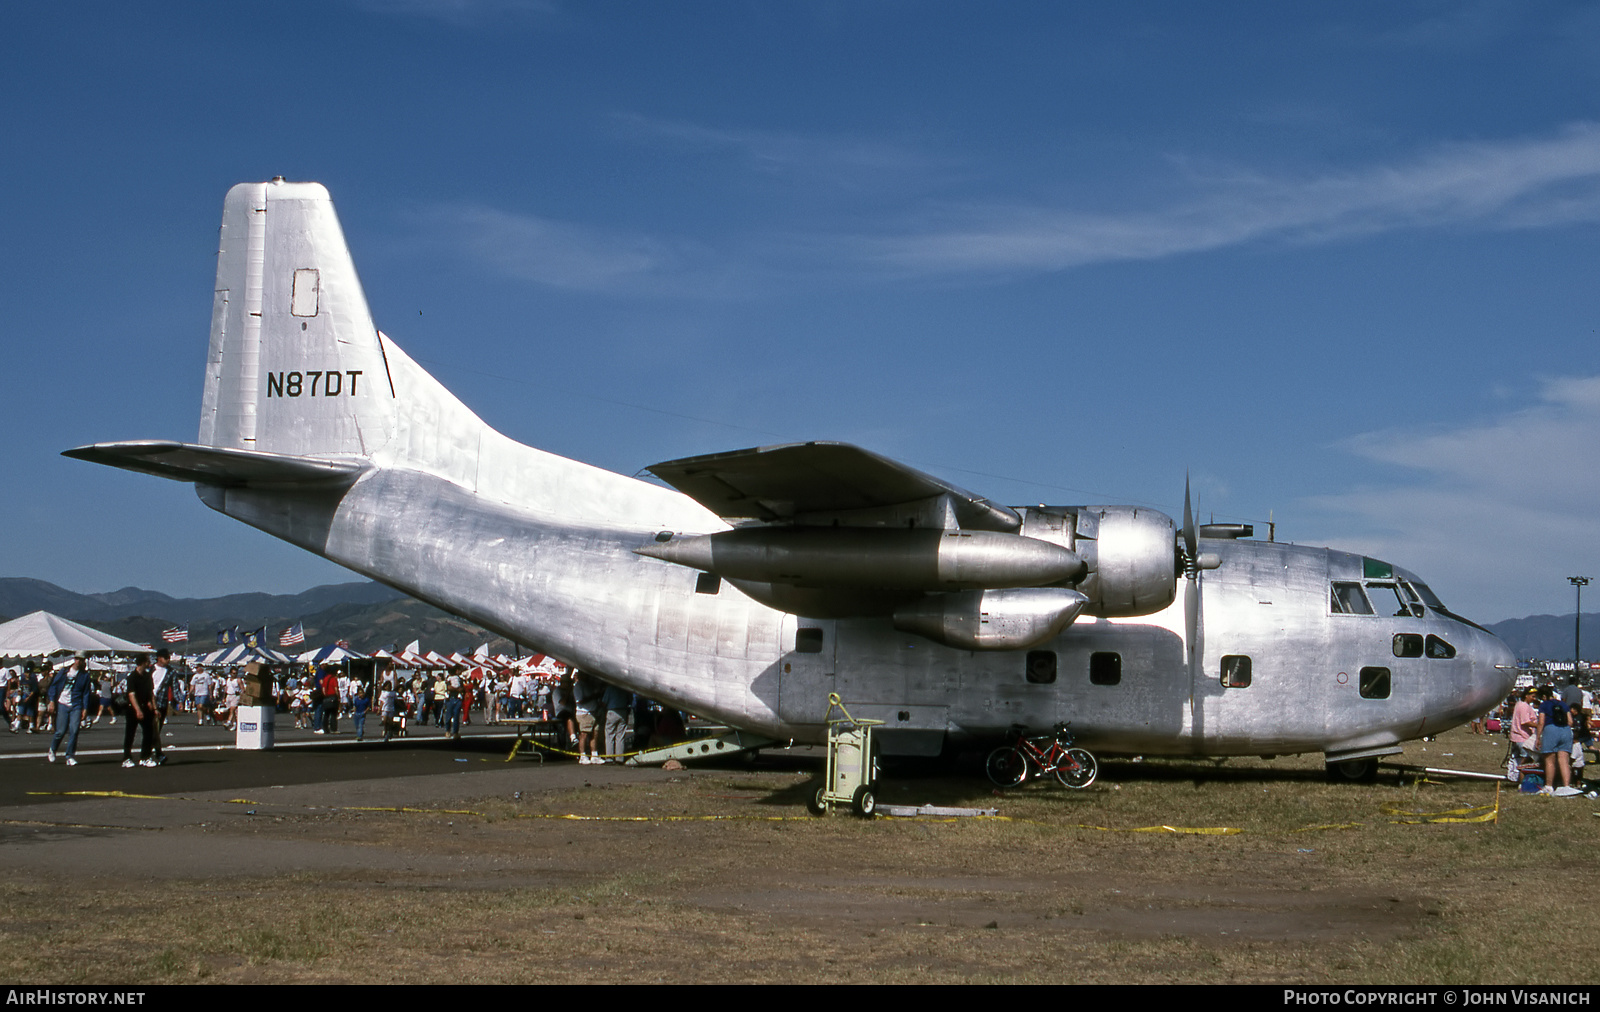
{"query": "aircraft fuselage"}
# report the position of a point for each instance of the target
(1318, 681)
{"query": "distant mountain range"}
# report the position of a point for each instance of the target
(1548, 637)
(368, 615)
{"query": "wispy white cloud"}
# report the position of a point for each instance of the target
(578, 257)
(1521, 184)
(1517, 494)
(841, 161)
(1514, 184)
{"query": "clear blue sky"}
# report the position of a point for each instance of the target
(1337, 260)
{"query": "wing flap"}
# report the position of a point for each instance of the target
(222, 466)
(794, 482)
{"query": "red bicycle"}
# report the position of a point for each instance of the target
(1036, 755)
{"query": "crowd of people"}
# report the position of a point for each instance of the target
(1549, 728)
(581, 713)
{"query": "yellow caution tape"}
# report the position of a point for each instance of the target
(1394, 809)
(1330, 825)
(1196, 830)
(106, 794)
(670, 818)
(1474, 813)
(411, 811)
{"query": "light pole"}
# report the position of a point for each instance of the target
(1578, 583)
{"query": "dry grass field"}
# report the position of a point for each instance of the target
(720, 875)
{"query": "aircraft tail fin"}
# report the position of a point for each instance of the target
(296, 368)
(295, 364)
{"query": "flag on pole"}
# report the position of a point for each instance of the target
(291, 636)
(177, 634)
(227, 637)
(254, 638)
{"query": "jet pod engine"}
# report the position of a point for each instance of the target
(1009, 619)
(874, 558)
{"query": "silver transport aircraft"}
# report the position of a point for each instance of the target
(772, 577)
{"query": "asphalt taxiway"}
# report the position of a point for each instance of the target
(205, 759)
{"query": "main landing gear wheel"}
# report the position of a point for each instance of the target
(1007, 766)
(1354, 770)
(1083, 771)
(864, 803)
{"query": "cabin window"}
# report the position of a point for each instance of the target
(1235, 671)
(1105, 668)
(1349, 600)
(1438, 649)
(1041, 667)
(808, 641)
(710, 583)
(1374, 683)
(1408, 644)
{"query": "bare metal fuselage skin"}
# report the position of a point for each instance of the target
(584, 595)
(319, 430)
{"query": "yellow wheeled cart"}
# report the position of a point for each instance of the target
(852, 765)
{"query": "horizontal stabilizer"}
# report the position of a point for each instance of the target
(215, 465)
(797, 481)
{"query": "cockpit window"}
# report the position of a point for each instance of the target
(1387, 599)
(1429, 598)
(1440, 649)
(1349, 600)
(1409, 596)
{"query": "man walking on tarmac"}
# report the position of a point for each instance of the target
(141, 695)
(68, 695)
(162, 686)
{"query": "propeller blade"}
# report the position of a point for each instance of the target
(1191, 615)
(1190, 539)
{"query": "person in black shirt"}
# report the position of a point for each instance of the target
(141, 713)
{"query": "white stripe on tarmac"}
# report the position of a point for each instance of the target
(496, 736)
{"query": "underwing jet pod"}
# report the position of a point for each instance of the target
(766, 579)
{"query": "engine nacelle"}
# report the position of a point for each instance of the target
(1132, 556)
(1011, 619)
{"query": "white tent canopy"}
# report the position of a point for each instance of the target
(41, 634)
(243, 653)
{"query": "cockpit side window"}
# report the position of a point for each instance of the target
(1429, 598)
(1440, 649)
(1386, 599)
(1349, 600)
(1411, 599)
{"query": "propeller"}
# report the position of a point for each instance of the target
(1193, 563)
(1191, 588)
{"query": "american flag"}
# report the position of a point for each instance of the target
(177, 634)
(292, 636)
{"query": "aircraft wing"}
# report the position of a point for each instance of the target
(776, 484)
(215, 465)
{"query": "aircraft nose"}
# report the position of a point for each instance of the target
(1494, 670)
